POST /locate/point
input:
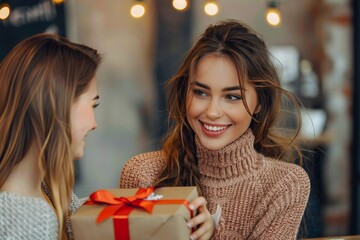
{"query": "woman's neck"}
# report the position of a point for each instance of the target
(238, 159)
(25, 177)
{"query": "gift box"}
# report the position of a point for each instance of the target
(163, 215)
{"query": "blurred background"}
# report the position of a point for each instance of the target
(313, 43)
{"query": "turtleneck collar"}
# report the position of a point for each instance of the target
(236, 159)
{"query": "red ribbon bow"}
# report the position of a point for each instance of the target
(117, 203)
(120, 207)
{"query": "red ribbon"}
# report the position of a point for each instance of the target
(120, 208)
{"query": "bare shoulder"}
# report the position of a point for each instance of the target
(142, 170)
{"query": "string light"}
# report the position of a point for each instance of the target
(57, 2)
(138, 9)
(273, 14)
(4, 11)
(180, 5)
(211, 8)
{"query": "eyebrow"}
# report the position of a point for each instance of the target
(207, 87)
(96, 98)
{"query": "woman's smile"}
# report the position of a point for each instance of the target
(214, 130)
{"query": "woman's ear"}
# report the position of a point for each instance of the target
(257, 109)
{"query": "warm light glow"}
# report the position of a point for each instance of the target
(273, 16)
(58, 1)
(211, 8)
(180, 4)
(4, 11)
(138, 10)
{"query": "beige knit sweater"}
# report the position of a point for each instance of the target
(261, 198)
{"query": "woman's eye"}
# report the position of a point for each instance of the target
(96, 105)
(233, 97)
(199, 93)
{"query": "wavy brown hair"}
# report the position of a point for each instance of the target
(246, 49)
(39, 80)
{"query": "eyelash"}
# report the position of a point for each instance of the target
(96, 105)
(233, 97)
(229, 97)
(199, 93)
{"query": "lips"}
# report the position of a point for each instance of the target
(213, 130)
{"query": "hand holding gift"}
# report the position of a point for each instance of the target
(203, 221)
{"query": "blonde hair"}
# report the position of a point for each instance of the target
(39, 80)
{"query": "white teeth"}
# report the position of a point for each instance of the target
(214, 128)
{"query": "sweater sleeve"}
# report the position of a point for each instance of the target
(284, 213)
(142, 170)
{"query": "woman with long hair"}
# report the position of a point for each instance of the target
(226, 106)
(48, 94)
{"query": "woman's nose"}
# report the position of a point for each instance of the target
(214, 110)
(94, 125)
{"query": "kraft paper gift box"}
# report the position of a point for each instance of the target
(166, 221)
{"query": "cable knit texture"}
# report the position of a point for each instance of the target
(26, 217)
(260, 197)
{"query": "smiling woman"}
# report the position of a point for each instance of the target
(47, 97)
(215, 106)
(225, 103)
